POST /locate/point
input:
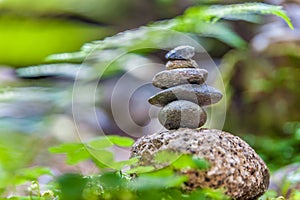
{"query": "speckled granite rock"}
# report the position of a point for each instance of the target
(181, 53)
(202, 95)
(234, 165)
(169, 78)
(175, 64)
(182, 114)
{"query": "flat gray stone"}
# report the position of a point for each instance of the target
(182, 114)
(174, 64)
(170, 78)
(181, 53)
(202, 95)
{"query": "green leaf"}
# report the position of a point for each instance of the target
(121, 141)
(95, 149)
(146, 182)
(25, 198)
(166, 156)
(100, 143)
(66, 148)
(61, 69)
(164, 172)
(110, 140)
(75, 157)
(215, 13)
(216, 194)
(201, 163)
(31, 174)
(75, 57)
(184, 162)
(201, 20)
(72, 186)
(75, 152)
(177, 161)
(140, 170)
(121, 164)
(103, 158)
(111, 180)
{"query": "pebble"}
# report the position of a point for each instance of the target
(233, 164)
(170, 78)
(202, 95)
(174, 64)
(181, 53)
(182, 114)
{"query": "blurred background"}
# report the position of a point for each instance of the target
(261, 73)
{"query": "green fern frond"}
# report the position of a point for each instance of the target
(214, 13)
(200, 20)
(60, 69)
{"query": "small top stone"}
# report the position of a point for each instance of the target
(181, 53)
(175, 64)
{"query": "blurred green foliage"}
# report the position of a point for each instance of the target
(95, 149)
(28, 41)
(258, 85)
(30, 31)
(160, 183)
(202, 21)
(278, 150)
(114, 184)
(91, 9)
(15, 160)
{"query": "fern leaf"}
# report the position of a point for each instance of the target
(61, 69)
(200, 20)
(214, 13)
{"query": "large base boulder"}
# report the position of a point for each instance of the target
(234, 165)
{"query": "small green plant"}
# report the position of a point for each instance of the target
(116, 182)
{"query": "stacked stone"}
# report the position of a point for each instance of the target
(233, 164)
(185, 91)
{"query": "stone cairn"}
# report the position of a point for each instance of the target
(234, 165)
(185, 91)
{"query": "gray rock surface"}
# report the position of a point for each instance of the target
(181, 53)
(169, 78)
(174, 64)
(182, 114)
(234, 165)
(202, 95)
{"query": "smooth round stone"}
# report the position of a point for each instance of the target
(174, 64)
(202, 95)
(233, 164)
(181, 53)
(182, 114)
(170, 78)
